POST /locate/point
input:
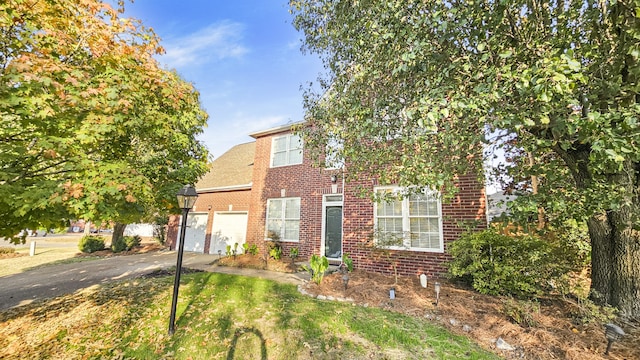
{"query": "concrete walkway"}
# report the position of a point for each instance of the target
(54, 280)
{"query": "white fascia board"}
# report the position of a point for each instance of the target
(275, 130)
(225, 188)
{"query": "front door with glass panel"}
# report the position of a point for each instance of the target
(333, 227)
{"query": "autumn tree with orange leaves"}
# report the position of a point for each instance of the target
(91, 127)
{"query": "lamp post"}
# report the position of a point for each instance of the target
(186, 199)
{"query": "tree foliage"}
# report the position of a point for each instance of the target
(416, 85)
(91, 126)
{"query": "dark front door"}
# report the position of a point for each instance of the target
(333, 232)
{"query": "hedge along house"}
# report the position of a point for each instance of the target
(219, 216)
(316, 211)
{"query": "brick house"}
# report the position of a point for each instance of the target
(314, 210)
(219, 216)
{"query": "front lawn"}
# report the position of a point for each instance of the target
(219, 317)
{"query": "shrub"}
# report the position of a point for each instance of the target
(118, 245)
(521, 312)
(498, 264)
(132, 241)
(7, 250)
(293, 254)
(319, 266)
(275, 250)
(125, 243)
(253, 249)
(91, 243)
(347, 261)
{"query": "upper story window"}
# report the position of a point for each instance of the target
(412, 222)
(332, 159)
(286, 150)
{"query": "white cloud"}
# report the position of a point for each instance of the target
(214, 43)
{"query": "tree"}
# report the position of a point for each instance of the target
(91, 126)
(417, 85)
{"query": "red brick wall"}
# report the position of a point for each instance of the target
(303, 181)
(237, 200)
(466, 210)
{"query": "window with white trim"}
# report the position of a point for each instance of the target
(283, 219)
(286, 150)
(412, 222)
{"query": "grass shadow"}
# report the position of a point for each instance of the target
(247, 331)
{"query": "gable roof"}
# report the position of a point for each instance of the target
(231, 171)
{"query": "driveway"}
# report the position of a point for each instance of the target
(54, 280)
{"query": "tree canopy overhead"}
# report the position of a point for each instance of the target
(418, 87)
(91, 126)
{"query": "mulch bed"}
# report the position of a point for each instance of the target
(554, 332)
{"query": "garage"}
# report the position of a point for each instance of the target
(228, 228)
(196, 231)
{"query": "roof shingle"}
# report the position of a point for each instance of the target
(232, 169)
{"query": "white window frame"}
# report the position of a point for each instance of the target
(406, 220)
(283, 218)
(288, 150)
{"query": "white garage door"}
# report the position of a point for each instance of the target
(195, 233)
(228, 228)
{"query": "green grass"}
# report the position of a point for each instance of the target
(219, 317)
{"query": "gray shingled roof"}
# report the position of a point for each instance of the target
(232, 169)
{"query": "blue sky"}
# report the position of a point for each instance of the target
(243, 56)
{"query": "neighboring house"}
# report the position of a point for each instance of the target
(314, 210)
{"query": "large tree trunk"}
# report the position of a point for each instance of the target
(615, 252)
(615, 258)
(118, 236)
(601, 265)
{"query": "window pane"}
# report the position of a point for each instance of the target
(279, 159)
(295, 157)
(274, 226)
(291, 230)
(420, 240)
(280, 144)
(434, 226)
(292, 209)
(295, 142)
(418, 225)
(275, 209)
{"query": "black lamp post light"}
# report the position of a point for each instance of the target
(186, 199)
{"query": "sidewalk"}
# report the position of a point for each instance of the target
(207, 262)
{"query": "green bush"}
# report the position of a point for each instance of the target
(319, 266)
(275, 250)
(91, 243)
(118, 245)
(294, 253)
(132, 241)
(253, 249)
(347, 261)
(125, 243)
(522, 266)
